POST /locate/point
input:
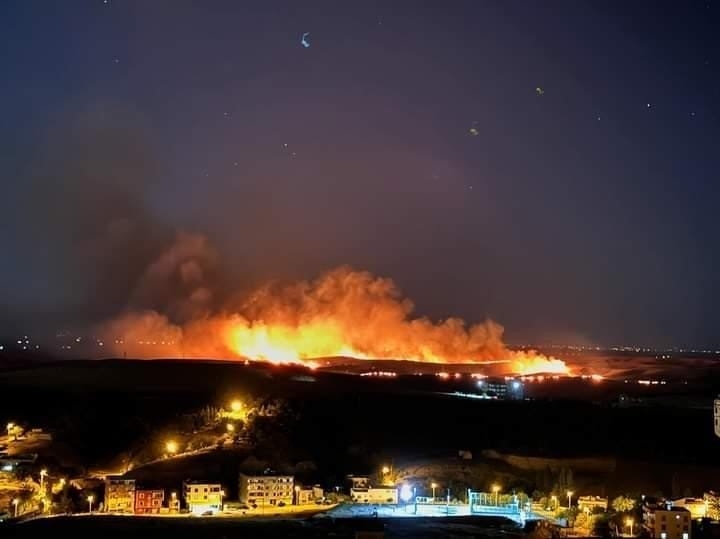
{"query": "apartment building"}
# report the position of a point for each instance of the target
(149, 501)
(266, 489)
(664, 521)
(203, 497)
(375, 496)
(119, 495)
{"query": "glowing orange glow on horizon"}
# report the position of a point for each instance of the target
(342, 313)
(284, 345)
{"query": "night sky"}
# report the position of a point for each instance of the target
(551, 165)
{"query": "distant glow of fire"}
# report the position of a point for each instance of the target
(343, 313)
(281, 344)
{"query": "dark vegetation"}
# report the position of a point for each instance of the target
(339, 424)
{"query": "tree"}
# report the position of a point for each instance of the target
(563, 482)
(623, 504)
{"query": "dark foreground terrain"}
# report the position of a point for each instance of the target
(227, 528)
(342, 424)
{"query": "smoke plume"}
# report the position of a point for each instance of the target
(165, 293)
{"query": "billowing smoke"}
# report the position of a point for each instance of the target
(163, 293)
(344, 312)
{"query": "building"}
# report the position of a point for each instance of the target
(697, 507)
(203, 497)
(304, 496)
(119, 495)
(502, 388)
(592, 503)
(663, 521)
(374, 495)
(174, 503)
(358, 481)
(716, 408)
(266, 489)
(148, 501)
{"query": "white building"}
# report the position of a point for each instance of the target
(266, 489)
(376, 496)
(664, 521)
(201, 497)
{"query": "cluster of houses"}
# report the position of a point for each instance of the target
(123, 495)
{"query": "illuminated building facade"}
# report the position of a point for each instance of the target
(592, 503)
(664, 521)
(379, 495)
(119, 495)
(266, 489)
(202, 497)
(149, 501)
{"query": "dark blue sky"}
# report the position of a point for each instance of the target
(587, 213)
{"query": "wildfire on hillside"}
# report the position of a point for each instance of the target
(344, 312)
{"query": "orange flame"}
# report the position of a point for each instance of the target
(343, 313)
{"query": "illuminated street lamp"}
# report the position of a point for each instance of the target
(433, 485)
(496, 490)
(10, 427)
(630, 523)
(570, 495)
(171, 447)
(230, 427)
(90, 500)
(236, 405)
(15, 503)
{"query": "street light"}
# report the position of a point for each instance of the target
(230, 427)
(236, 405)
(10, 427)
(630, 523)
(496, 490)
(433, 485)
(385, 470)
(15, 503)
(171, 446)
(90, 500)
(570, 495)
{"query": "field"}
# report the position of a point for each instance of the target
(344, 424)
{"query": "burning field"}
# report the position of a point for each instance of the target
(343, 312)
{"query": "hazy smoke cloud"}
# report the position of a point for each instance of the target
(163, 293)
